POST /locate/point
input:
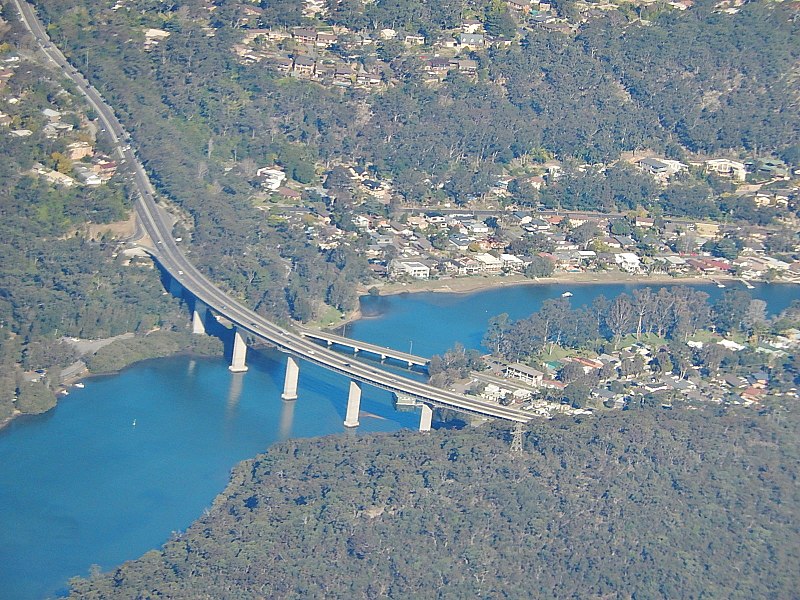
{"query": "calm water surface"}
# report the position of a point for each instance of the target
(83, 485)
(429, 323)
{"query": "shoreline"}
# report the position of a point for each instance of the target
(468, 285)
(88, 375)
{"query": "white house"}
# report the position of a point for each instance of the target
(727, 168)
(628, 261)
(489, 263)
(525, 373)
(414, 268)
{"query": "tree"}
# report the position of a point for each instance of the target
(539, 267)
(583, 234)
(498, 21)
(620, 316)
(572, 372)
(731, 309)
(495, 336)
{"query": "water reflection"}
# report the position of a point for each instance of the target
(234, 393)
(287, 419)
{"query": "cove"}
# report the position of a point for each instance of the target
(431, 322)
(83, 485)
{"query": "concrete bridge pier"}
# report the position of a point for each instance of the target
(425, 418)
(199, 317)
(290, 380)
(239, 353)
(353, 404)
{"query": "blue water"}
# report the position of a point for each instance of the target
(429, 323)
(81, 485)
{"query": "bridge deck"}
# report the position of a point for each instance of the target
(365, 347)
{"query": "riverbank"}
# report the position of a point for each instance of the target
(467, 285)
(110, 356)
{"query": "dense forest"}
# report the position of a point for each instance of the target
(697, 82)
(652, 504)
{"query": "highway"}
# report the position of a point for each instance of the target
(155, 223)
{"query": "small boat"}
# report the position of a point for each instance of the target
(720, 285)
(80, 385)
(134, 422)
(566, 295)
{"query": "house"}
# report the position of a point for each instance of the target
(415, 269)
(303, 65)
(465, 65)
(519, 6)
(460, 241)
(367, 79)
(414, 40)
(476, 227)
(661, 168)
(512, 263)
(437, 66)
(525, 373)
(629, 262)
(57, 129)
(52, 115)
(79, 150)
(288, 193)
(625, 241)
(727, 168)
(536, 182)
(645, 222)
(472, 41)
(489, 263)
(471, 26)
(464, 266)
(343, 76)
(611, 242)
(305, 35)
(153, 36)
(282, 64)
(325, 39)
(278, 35)
(86, 176)
(553, 168)
(272, 177)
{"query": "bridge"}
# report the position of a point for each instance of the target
(246, 322)
(357, 346)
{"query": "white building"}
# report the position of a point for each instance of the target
(727, 168)
(414, 268)
(489, 263)
(272, 178)
(512, 263)
(525, 373)
(628, 261)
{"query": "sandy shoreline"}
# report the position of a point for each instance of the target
(469, 285)
(466, 285)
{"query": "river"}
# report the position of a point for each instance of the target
(117, 466)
